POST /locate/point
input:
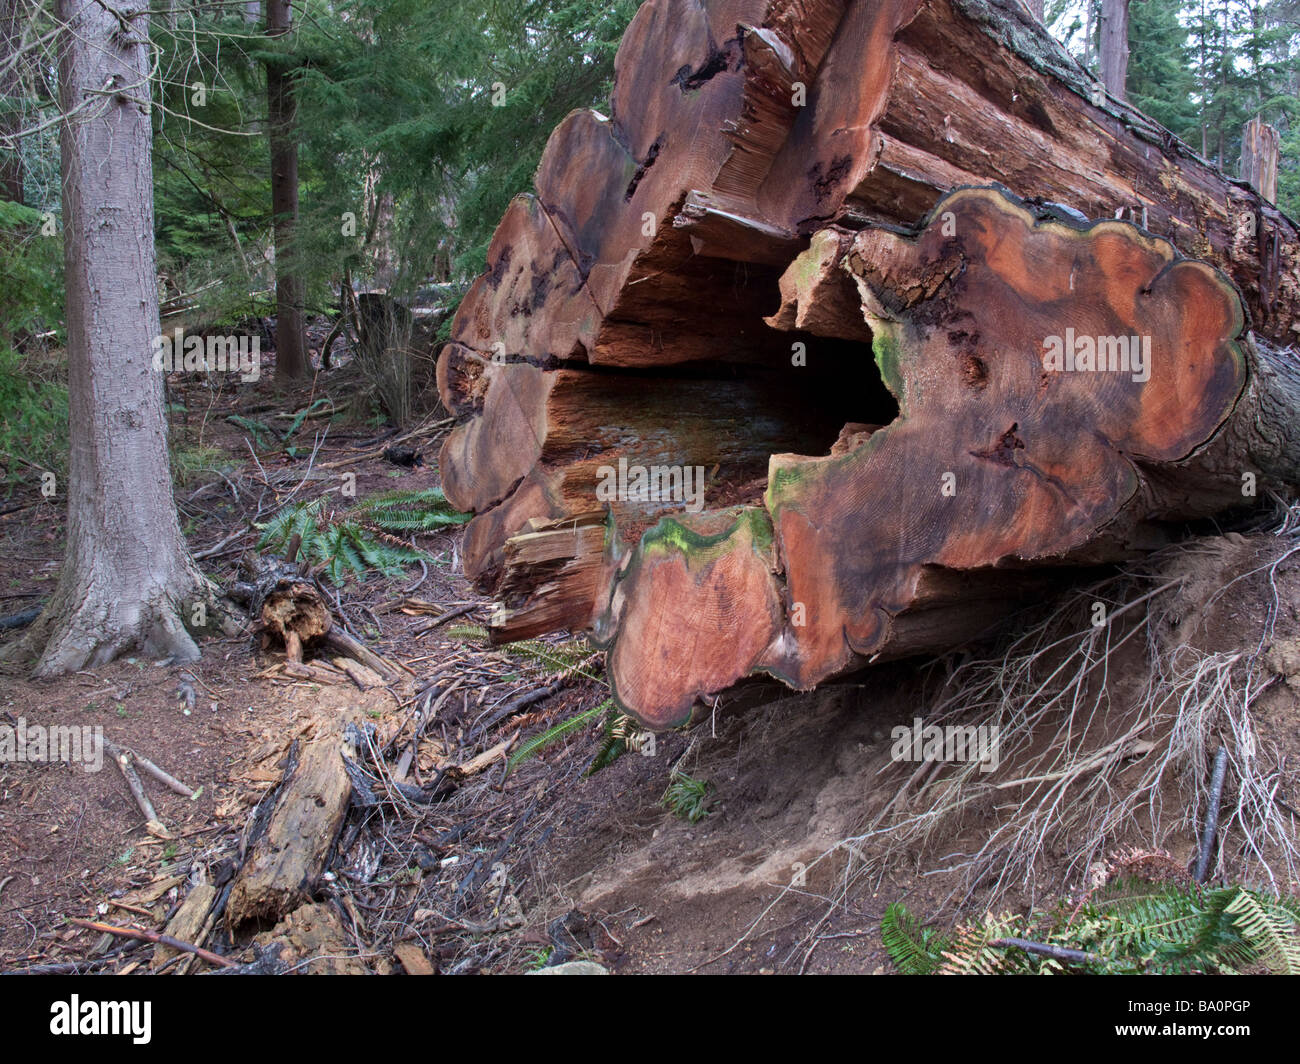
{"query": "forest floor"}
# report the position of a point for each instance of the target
(508, 871)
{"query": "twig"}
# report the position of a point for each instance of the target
(379, 451)
(162, 777)
(219, 547)
(450, 615)
(510, 708)
(133, 782)
(158, 939)
(1058, 953)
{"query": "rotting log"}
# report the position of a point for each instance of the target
(284, 865)
(727, 270)
(290, 609)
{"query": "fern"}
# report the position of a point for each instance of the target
(302, 519)
(1269, 930)
(302, 416)
(1139, 925)
(971, 950)
(1136, 927)
(553, 734)
(259, 429)
(564, 659)
(621, 733)
(687, 797)
(409, 511)
(915, 950)
(611, 748)
(341, 547)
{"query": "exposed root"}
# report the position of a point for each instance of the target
(1079, 765)
(1097, 726)
(101, 627)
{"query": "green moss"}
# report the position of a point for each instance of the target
(760, 528)
(784, 480)
(885, 348)
(672, 535)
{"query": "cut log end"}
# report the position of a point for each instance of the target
(817, 432)
(1041, 368)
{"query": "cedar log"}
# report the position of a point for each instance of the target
(729, 268)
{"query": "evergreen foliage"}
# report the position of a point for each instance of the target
(363, 539)
(1131, 927)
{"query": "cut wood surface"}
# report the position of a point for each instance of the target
(756, 270)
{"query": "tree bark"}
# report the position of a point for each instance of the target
(736, 221)
(11, 162)
(290, 337)
(1114, 47)
(127, 580)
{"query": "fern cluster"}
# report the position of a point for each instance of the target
(359, 540)
(404, 512)
(915, 950)
(622, 735)
(687, 797)
(1133, 927)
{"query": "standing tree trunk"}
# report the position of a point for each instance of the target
(127, 580)
(1114, 47)
(290, 341)
(11, 162)
(1260, 147)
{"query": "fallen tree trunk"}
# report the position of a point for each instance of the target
(693, 290)
(285, 864)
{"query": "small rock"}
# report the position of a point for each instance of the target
(1284, 659)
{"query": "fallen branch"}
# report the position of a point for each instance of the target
(1212, 813)
(378, 452)
(511, 708)
(217, 548)
(391, 671)
(158, 939)
(1058, 953)
(19, 620)
(450, 615)
(166, 779)
(123, 761)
